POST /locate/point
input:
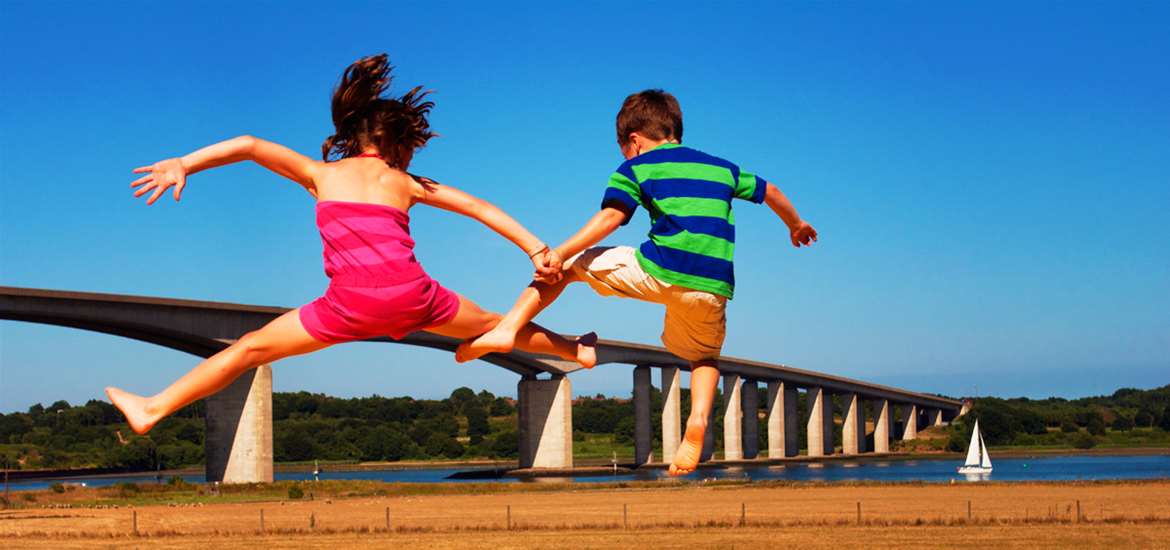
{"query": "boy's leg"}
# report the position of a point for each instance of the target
(473, 321)
(704, 379)
(280, 338)
(694, 329)
(507, 332)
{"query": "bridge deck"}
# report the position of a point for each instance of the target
(203, 327)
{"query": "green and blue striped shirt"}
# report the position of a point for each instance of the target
(692, 228)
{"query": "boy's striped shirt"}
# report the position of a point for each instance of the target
(692, 228)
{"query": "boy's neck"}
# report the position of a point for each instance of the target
(647, 145)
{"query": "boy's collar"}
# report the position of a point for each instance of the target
(667, 145)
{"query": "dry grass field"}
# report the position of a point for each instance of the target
(694, 515)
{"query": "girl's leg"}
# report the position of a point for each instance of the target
(282, 337)
(704, 379)
(503, 335)
(473, 321)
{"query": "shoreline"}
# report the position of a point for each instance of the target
(585, 467)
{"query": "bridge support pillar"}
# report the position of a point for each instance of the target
(966, 408)
(238, 441)
(853, 430)
(935, 417)
(749, 393)
(643, 434)
(732, 418)
(671, 412)
(782, 420)
(546, 423)
(820, 422)
(881, 426)
(909, 422)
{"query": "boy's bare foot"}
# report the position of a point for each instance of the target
(134, 408)
(686, 458)
(587, 350)
(495, 340)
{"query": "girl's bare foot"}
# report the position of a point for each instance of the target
(134, 408)
(496, 340)
(587, 350)
(686, 458)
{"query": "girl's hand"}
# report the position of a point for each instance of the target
(548, 266)
(803, 234)
(160, 176)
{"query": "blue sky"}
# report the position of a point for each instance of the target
(990, 182)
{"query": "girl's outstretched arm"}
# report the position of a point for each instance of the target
(448, 198)
(173, 172)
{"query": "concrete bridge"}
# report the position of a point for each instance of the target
(239, 419)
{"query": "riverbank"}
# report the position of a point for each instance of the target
(583, 467)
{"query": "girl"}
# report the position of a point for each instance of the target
(376, 286)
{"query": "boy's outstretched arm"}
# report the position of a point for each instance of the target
(801, 232)
(543, 292)
(600, 226)
(173, 172)
(453, 200)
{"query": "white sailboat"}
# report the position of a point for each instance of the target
(978, 461)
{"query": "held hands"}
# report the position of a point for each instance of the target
(159, 177)
(803, 234)
(548, 266)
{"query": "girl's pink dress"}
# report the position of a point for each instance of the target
(376, 286)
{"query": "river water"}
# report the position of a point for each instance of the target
(1047, 468)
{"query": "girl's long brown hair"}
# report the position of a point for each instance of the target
(362, 117)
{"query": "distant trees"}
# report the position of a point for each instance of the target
(311, 426)
(1096, 424)
(477, 424)
(1144, 419)
(1122, 423)
(1057, 421)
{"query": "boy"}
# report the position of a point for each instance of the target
(687, 263)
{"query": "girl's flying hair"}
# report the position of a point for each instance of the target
(362, 117)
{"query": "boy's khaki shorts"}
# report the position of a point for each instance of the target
(696, 321)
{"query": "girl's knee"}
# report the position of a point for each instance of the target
(254, 348)
(489, 320)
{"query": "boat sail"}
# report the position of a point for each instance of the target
(978, 461)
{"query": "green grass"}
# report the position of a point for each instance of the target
(601, 446)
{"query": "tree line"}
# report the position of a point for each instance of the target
(467, 424)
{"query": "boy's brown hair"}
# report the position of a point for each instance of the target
(652, 113)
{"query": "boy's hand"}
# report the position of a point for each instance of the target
(803, 234)
(548, 266)
(161, 176)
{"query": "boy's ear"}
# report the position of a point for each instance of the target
(634, 145)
